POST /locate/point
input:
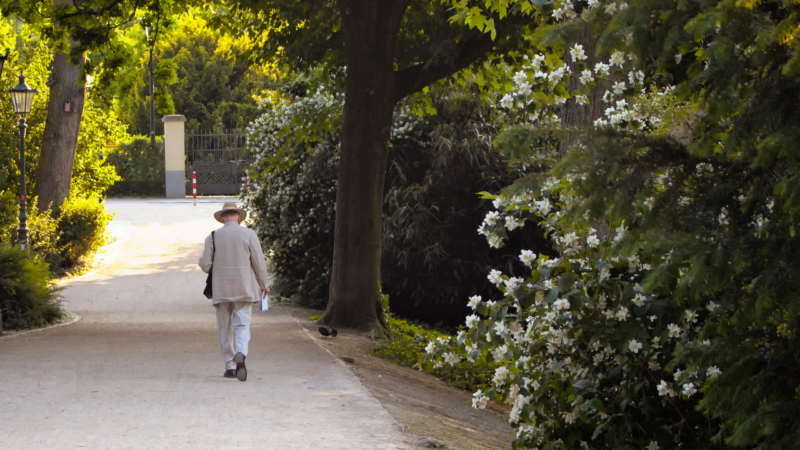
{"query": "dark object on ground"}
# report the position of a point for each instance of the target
(347, 359)
(230, 373)
(328, 332)
(427, 442)
(241, 370)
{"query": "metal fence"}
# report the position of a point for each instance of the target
(210, 148)
(219, 158)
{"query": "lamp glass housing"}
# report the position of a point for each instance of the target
(22, 97)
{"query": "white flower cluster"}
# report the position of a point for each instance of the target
(541, 86)
(542, 334)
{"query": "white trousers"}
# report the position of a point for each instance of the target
(233, 323)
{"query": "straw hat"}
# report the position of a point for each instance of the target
(230, 206)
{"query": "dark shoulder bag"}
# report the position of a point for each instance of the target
(207, 290)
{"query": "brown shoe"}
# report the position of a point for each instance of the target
(241, 370)
(230, 373)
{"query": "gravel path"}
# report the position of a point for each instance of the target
(142, 369)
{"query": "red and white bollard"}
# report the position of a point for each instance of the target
(194, 187)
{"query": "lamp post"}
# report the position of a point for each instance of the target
(22, 99)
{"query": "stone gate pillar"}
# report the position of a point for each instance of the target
(174, 156)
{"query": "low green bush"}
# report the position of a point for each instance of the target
(82, 226)
(43, 236)
(27, 299)
(407, 346)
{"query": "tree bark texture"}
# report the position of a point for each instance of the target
(573, 115)
(61, 130)
(371, 28)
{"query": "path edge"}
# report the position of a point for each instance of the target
(399, 426)
(72, 319)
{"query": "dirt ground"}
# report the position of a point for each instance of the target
(441, 415)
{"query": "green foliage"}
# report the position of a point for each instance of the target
(310, 34)
(140, 167)
(43, 236)
(93, 32)
(197, 74)
(26, 298)
(724, 195)
(29, 53)
(588, 334)
(66, 241)
(42, 231)
(708, 202)
(432, 256)
(407, 346)
(82, 230)
(92, 174)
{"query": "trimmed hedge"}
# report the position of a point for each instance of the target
(136, 188)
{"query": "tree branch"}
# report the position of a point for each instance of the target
(84, 12)
(415, 78)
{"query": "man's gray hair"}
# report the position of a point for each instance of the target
(230, 214)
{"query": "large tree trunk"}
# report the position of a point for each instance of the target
(61, 131)
(371, 30)
(573, 115)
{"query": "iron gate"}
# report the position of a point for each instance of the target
(219, 158)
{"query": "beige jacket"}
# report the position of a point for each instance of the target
(240, 272)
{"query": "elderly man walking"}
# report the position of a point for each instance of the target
(234, 258)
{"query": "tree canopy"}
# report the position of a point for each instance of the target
(198, 74)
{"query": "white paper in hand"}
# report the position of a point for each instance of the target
(264, 301)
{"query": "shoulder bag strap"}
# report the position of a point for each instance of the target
(214, 247)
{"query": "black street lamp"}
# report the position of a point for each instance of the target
(22, 99)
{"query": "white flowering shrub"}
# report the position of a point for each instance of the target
(709, 207)
(540, 89)
(293, 193)
(584, 342)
